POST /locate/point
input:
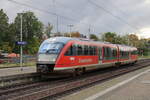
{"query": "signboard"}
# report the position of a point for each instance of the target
(21, 42)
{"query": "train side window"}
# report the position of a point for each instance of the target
(105, 52)
(80, 50)
(100, 53)
(90, 50)
(108, 53)
(86, 51)
(72, 51)
(135, 52)
(114, 53)
(69, 52)
(94, 50)
(124, 54)
(74, 47)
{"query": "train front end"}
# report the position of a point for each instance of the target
(48, 54)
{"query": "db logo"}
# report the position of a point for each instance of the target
(72, 58)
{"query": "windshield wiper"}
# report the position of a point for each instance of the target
(52, 51)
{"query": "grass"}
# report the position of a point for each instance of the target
(144, 56)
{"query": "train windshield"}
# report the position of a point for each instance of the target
(51, 48)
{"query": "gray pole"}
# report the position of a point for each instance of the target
(70, 28)
(21, 41)
(89, 31)
(57, 25)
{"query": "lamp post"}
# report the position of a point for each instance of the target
(21, 49)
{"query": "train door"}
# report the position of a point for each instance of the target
(70, 55)
(100, 54)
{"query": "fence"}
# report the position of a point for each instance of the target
(15, 61)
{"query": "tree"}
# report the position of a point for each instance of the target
(94, 37)
(109, 37)
(73, 34)
(32, 30)
(3, 27)
(133, 40)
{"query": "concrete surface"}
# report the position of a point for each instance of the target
(136, 89)
(16, 71)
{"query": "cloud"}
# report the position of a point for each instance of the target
(131, 15)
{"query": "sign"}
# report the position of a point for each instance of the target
(21, 42)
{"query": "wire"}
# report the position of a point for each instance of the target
(117, 17)
(42, 10)
(45, 11)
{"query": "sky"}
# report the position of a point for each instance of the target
(120, 16)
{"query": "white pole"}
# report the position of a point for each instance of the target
(21, 41)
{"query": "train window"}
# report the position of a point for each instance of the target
(110, 53)
(135, 52)
(107, 53)
(114, 53)
(74, 47)
(94, 50)
(124, 54)
(86, 51)
(51, 48)
(71, 51)
(90, 50)
(100, 53)
(80, 50)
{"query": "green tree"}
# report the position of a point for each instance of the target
(94, 37)
(133, 40)
(3, 27)
(32, 30)
(109, 37)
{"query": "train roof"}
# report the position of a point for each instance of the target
(67, 39)
(59, 39)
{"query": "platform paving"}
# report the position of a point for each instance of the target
(137, 89)
(17, 71)
(134, 86)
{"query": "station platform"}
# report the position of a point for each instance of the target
(131, 86)
(17, 71)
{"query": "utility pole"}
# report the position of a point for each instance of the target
(70, 26)
(57, 24)
(21, 53)
(89, 32)
(57, 21)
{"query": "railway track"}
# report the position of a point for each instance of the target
(49, 88)
(11, 81)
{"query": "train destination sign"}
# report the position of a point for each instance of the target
(21, 42)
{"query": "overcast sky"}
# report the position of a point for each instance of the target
(120, 16)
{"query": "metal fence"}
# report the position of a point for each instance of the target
(15, 61)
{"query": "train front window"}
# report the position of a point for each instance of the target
(51, 48)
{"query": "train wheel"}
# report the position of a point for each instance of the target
(83, 70)
(78, 71)
(117, 64)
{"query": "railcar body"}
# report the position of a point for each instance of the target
(64, 53)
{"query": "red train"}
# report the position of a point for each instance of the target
(64, 53)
